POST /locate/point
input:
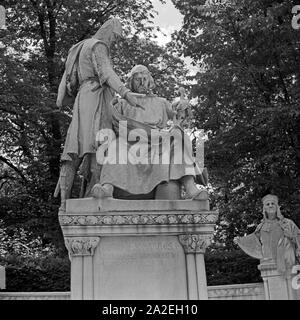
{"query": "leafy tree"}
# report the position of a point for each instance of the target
(247, 91)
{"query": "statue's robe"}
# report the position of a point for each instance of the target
(274, 240)
(141, 174)
(90, 82)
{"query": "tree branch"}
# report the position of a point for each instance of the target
(41, 19)
(281, 79)
(101, 15)
(12, 166)
(58, 8)
(2, 184)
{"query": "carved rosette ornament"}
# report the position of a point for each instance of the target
(82, 246)
(195, 243)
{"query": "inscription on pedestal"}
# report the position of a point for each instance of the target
(144, 249)
(140, 268)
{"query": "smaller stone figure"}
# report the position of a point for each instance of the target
(183, 110)
(276, 239)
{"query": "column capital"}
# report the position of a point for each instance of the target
(82, 246)
(195, 243)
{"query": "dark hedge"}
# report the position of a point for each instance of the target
(231, 267)
(36, 274)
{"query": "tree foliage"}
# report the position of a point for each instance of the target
(247, 89)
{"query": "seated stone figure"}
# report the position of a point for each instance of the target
(148, 154)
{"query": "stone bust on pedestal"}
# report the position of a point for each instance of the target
(276, 242)
(276, 239)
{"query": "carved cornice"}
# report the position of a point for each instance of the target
(195, 243)
(267, 264)
(82, 246)
(268, 268)
(138, 219)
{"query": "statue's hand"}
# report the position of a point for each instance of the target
(131, 99)
(176, 121)
(114, 101)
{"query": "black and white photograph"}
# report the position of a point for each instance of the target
(149, 153)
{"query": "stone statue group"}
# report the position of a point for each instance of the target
(101, 142)
(117, 168)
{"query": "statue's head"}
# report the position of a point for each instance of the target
(110, 32)
(271, 209)
(140, 79)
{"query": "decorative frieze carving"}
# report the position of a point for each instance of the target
(138, 219)
(82, 246)
(195, 243)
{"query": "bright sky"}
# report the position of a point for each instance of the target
(169, 19)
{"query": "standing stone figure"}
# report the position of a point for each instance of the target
(139, 176)
(89, 83)
(276, 239)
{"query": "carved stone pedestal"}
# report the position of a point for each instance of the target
(137, 249)
(277, 286)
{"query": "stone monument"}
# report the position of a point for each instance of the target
(139, 229)
(276, 242)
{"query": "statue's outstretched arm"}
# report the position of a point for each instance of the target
(105, 71)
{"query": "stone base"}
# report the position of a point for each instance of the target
(137, 249)
(2, 278)
(277, 286)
